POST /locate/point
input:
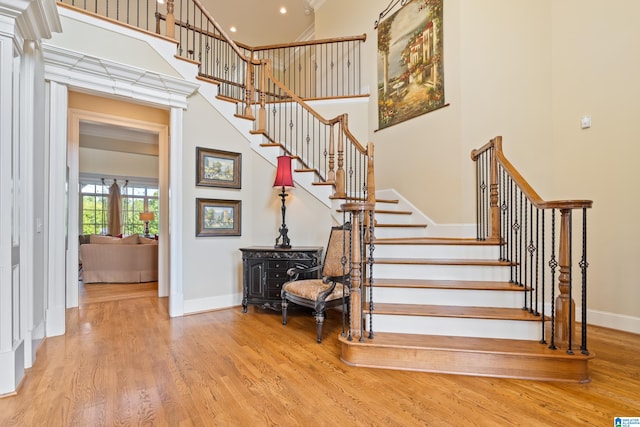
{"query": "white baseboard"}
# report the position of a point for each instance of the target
(55, 321)
(12, 368)
(620, 322)
(616, 321)
(212, 303)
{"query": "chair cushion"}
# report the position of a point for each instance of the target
(311, 288)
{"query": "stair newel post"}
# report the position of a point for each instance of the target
(171, 20)
(331, 175)
(262, 91)
(356, 325)
(249, 89)
(340, 174)
(493, 191)
(565, 306)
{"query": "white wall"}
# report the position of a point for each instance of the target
(526, 70)
(212, 265)
(118, 163)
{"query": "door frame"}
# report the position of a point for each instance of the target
(75, 116)
(65, 70)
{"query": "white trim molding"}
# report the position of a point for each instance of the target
(76, 70)
(100, 75)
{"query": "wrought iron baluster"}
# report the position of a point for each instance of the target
(583, 267)
(571, 313)
(553, 264)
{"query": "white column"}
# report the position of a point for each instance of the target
(56, 224)
(176, 297)
(27, 222)
(8, 374)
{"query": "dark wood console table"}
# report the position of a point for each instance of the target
(264, 270)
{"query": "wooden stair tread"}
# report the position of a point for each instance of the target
(227, 99)
(461, 241)
(449, 284)
(472, 345)
(401, 225)
(465, 312)
(207, 79)
(242, 116)
(438, 261)
(391, 211)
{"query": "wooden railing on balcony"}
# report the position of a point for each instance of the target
(317, 69)
(323, 146)
(536, 242)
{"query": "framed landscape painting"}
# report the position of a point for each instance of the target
(410, 65)
(216, 217)
(217, 168)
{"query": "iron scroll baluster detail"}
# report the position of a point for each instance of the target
(583, 267)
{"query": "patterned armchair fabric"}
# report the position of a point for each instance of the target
(331, 290)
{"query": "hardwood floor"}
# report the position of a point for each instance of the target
(123, 361)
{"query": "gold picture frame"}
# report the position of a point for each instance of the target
(218, 168)
(216, 217)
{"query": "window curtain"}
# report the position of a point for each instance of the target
(114, 217)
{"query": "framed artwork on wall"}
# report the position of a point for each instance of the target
(410, 62)
(215, 217)
(217, 168)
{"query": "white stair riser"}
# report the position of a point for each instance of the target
(389, 218)
(399, 232)
(437, 251)
(459, 327)
(441, 272)
(454, 297)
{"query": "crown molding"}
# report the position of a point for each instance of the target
(88, 73)
(29, 20)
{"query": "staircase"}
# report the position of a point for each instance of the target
(439, 300)
(447, 305)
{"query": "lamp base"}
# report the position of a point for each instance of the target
(286, 244)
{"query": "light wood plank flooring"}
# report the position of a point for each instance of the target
(123, 361)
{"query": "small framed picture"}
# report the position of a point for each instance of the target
(217, 168)
(218, 217)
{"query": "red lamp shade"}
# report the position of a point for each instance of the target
(283, 174)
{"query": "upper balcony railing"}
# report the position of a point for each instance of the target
(317, 69)
(538, 243)
(269, 85)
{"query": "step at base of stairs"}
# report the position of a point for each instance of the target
(468, 321)
(488, 357)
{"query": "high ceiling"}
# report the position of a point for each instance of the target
(260, 23)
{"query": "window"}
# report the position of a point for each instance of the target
(136, 198)
(93, 208)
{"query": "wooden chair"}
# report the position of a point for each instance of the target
(331, 290)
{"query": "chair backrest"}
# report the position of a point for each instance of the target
(336, 259)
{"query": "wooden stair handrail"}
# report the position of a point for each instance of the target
(531, 194)
(250, 90)
(565, 306)
(362, 38)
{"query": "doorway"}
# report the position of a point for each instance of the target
(79, 118)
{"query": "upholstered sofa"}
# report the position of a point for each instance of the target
(107, 259)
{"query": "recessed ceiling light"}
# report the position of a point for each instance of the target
(233, 29)
(283, 10)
